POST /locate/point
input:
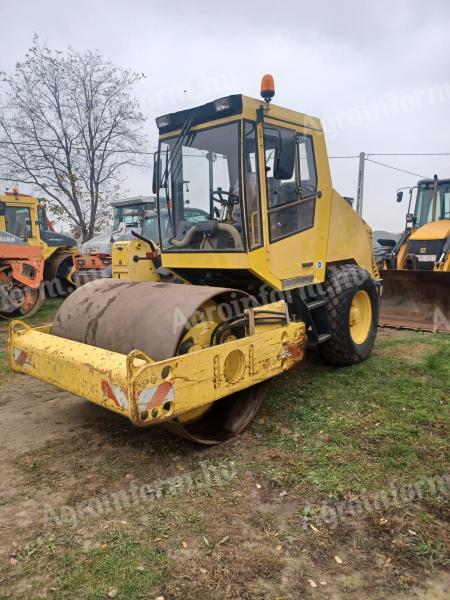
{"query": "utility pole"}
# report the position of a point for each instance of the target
(360, 190)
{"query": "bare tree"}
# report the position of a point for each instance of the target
(69, 124)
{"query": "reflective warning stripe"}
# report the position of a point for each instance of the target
(156, 395)
(21, 357)
(115, 393)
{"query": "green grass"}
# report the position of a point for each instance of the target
(321, 434)
(46, 312)
(434, 550)
(132, 567)
(358, 428)
(4, 367)
(44, 315)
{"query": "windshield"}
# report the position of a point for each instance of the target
(425, 211)
(133, 215)
(200, 173)
(18, 221)
(150, 226)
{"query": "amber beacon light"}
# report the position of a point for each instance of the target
(267, 88)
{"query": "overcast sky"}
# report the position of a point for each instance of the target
(376, 72)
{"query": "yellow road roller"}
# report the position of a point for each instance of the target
(278, 261)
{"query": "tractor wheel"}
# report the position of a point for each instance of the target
(21, 301)
(352, 306)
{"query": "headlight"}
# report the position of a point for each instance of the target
(222, 104)
(163, 121)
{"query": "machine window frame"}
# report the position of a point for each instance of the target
(199, 129)
(16, 208)
(310, 198)
(310, 138)
(258, 181)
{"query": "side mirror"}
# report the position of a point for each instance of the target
(2, 209)
(399, 196)
(285, 156)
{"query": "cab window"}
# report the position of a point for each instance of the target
(18, 221)
(291, 180)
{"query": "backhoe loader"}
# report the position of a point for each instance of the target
(25, 217)
(416, 274)
(281, 261)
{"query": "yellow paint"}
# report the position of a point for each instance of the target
(350, 237)
(338, 235)
(130, 261)
(437, 230)
(360, 317)
(124, 384)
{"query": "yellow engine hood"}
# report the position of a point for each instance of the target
(439, 230)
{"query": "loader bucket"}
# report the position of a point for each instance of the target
(418, 300)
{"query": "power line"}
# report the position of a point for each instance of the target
(409, 154)
(396, 168)
(48, 145)
(395, 154)
(355, 156)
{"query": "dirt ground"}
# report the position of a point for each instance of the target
(241, 536)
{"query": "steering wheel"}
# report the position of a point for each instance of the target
(230, 200)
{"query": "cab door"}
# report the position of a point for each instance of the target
(292, 205)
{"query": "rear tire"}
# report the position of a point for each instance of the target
(352, 307)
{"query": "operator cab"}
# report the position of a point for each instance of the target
(133, 211)
(212, 161)
(426, 211)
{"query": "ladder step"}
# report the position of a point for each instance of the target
(316, 304)
(323, 337)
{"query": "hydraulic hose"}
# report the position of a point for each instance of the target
(226, 227)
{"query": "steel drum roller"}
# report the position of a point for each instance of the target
(154, 317)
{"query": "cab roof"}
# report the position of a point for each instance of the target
(431, 181)
(134, 200)
(236, 104)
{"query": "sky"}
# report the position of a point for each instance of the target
(376, 73)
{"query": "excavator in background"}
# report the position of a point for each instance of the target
(25, 218)
(416, 273)
(21, 275)
(280, 261)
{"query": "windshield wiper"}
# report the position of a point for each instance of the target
(177, 153)
(172, 168)
(179, 143)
